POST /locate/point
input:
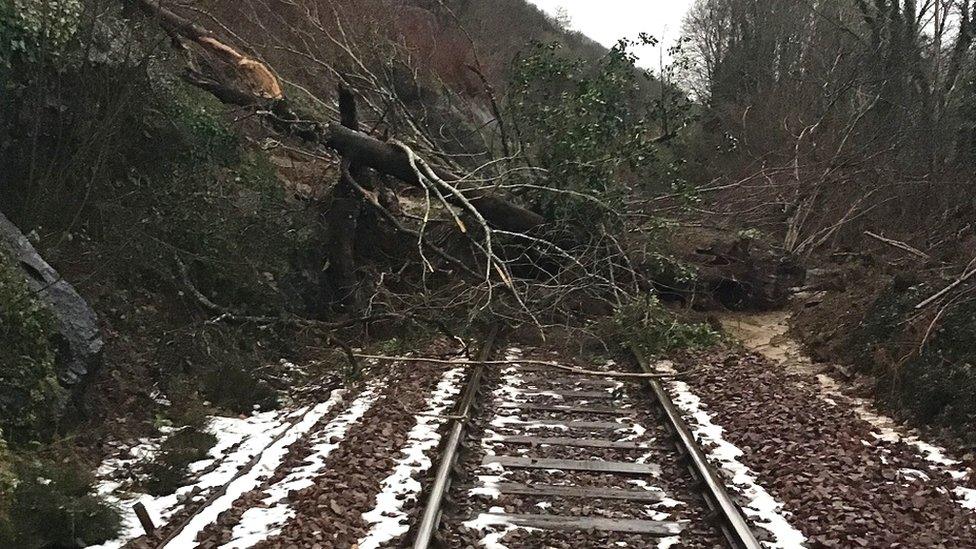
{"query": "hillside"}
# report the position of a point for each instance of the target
(258, 256)
(180, 175)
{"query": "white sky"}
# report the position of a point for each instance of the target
(606, 21)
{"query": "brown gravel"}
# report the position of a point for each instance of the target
(841, 484)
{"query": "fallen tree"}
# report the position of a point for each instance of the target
(470, 245)
(254, 85)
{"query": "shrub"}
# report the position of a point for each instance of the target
(32, 30)
(31, 399)
(170, 467)
(935, 382)
(646, 326)
(53, 505)
(592, 126)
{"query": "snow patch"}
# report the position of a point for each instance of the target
(388, 518)
(271, 456)
(247, 436)
(260, 523)
(762, 507)
(966, 497)
(490, 524)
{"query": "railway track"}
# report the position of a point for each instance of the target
(529, 455)
(536, 457)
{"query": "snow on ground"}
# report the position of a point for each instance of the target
(260, 523)
(388, 519)
(761, 507)
(260, 441)
(269, 458)
(247, 436)
(490, 522)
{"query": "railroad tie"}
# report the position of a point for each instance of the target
(570, 395)
(596, 410)
(584, 492)
(557, 522)
(621, 467)
(572, 442)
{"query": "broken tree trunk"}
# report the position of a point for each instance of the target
(79, 341)
(253, 89)
(340, 216)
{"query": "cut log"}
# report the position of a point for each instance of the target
(79, 341)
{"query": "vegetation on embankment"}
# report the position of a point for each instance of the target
(139, 192)
(924, 366)
(843, 132)
(41, 486)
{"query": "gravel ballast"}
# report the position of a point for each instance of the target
(841, 481)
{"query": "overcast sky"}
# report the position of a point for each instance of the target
(606, 21)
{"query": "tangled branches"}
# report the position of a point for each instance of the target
(407, 226)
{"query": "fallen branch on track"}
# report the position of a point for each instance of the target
(572, 369)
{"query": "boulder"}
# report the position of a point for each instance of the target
(734, 271)
(79, 342)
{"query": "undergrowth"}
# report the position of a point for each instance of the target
(933, 382)
(646, 326)
(45, 500)
(170, 467)
(52, 504)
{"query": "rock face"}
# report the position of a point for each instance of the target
(79, 340)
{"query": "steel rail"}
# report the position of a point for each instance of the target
(430, 521)
(734, 525)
